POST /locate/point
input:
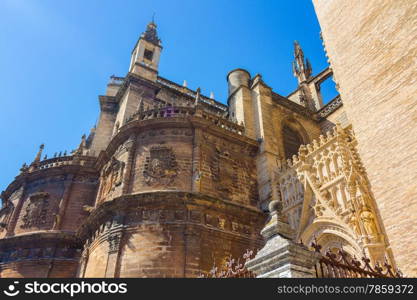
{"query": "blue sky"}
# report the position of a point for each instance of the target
(56, 58)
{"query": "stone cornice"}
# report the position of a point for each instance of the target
(48, 168)
(24, 239)
(119, 206)
(45, 245)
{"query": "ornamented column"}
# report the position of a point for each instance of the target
(131, 148)
(63, 203)
(281, 257)
(114, 239)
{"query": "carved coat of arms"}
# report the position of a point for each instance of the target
(37, 211)
(161, 166)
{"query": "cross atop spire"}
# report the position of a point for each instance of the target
(301, 68)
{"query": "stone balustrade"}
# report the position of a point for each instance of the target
(224, 123)
(191, 93)
(187, 111)
(59, 162)
(330, 107)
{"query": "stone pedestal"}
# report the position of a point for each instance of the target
(281, 257)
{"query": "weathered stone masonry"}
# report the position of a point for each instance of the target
(172, 182)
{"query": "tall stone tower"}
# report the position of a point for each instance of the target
(145, 55)
(374, 61)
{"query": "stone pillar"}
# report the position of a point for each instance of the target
(62, 208)
(281, 257)
(114, 238)
(131, 148)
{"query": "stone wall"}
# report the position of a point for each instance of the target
(44, 206)
(166, 234)
(372, 50)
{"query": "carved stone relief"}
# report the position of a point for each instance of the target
(114, 240)
(112, 176)
(330, 170)
(161, 167)
(37, 212)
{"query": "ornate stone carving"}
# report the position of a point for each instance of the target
(113, 176)
(37, 211)
(331, 173)
(114, 242)
(368, 221)
(161, 166)
(85, 179)
(353, 221)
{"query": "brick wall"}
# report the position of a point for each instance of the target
(372, 49)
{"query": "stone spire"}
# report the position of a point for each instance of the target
(150, 34)
(301, 68)
(82, 146)
(39, 154)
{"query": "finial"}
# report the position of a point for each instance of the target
(301, 68)
(24, 168)
(197, 96)
(184, 84)
(39, 154)
(275, 207)
(211, 95)
(82, 145)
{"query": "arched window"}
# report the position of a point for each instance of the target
(292, 141)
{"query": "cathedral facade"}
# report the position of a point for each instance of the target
(172, 182)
